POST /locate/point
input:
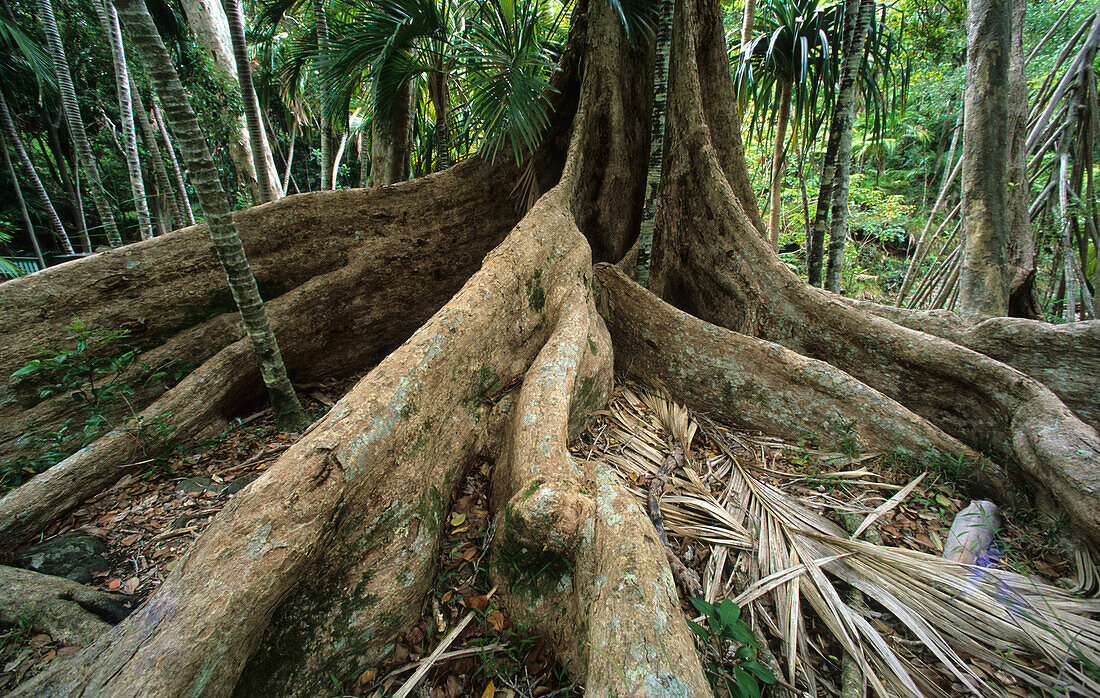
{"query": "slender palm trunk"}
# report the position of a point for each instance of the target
(182, 200)
(22, 204)
(364, 158)
(747, 21)
(160, 175)
(437, 91)
(219, 220)
(844, 115)
(68, 178)
(16, 144)
(320, 20)
(76, 125)
(109, 19)
(775, 211)
(290, 156)
(1021, 241)
(656, 140)
(256, 134)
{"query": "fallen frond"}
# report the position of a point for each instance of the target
(984, 625)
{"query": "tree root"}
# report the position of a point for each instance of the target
(1064, 358)
(172, 296)
(715, 265)
(63, 609)
(376, 301)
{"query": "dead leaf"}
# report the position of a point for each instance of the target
(458, 518)
(130, 540)
(490, 691)
(496, 619)
(367, 677)
(460, 529)
(469, 554)
(113, 584)
(40, 640)
(130, 586)
(477, 603)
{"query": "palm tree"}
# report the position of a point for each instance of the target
(656, 139)
(219, 220)
(787, 64)
(109, 19)
(248, 97)
(23, 62)
(85, 158)
(22, 204)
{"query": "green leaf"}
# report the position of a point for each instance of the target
(702, 606)
(29, 368)
(745, 652)
(698, 630)
(746, 683)
(728, 612)
(762, 672)
(740, 632)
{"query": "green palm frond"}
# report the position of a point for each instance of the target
(23, 59)
(508, 55)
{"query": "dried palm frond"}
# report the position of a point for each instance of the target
(778, 552)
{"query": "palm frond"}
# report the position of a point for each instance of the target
(778, 552)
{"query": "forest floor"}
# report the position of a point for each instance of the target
(150, 518)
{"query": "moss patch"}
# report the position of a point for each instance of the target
(536, 296)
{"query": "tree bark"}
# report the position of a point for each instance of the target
(182, 200)
(983, 282)
(309, 574)
(223, 232)
(76, 123)
(16, 143)
(844, 114)
(261, 153)
(207, 19)
(169, 201)
(391, 140)
(108, 18)
(1021, 254)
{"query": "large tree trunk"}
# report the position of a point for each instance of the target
(311, 572)
(391, 140)
(1021, 255)
(983, 280)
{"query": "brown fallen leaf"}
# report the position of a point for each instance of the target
(40, 640)
(477, 603)
(490, 691)
(113, 584)
(130, 540)
(496, 619)
(130, 586)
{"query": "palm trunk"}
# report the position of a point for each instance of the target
(22, 204)
(182, 200)
(364, 158)
(290, 156)
(219, 220)
(256, 135)
(843, 119)
(207, 19)
(28, 170)
(747, 21)
(68, 177)
(320, 20)
(775, 212)
(437, 91)
(391, 135)
(76, 125)
(164, 186)
(656, 140)
(109, 19)
(983, 281)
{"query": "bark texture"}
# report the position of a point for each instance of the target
(312, 570)
(391, 140)
(76, 124)
(63, 609)
(207, 19)
(266, 177)
(983, 280)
